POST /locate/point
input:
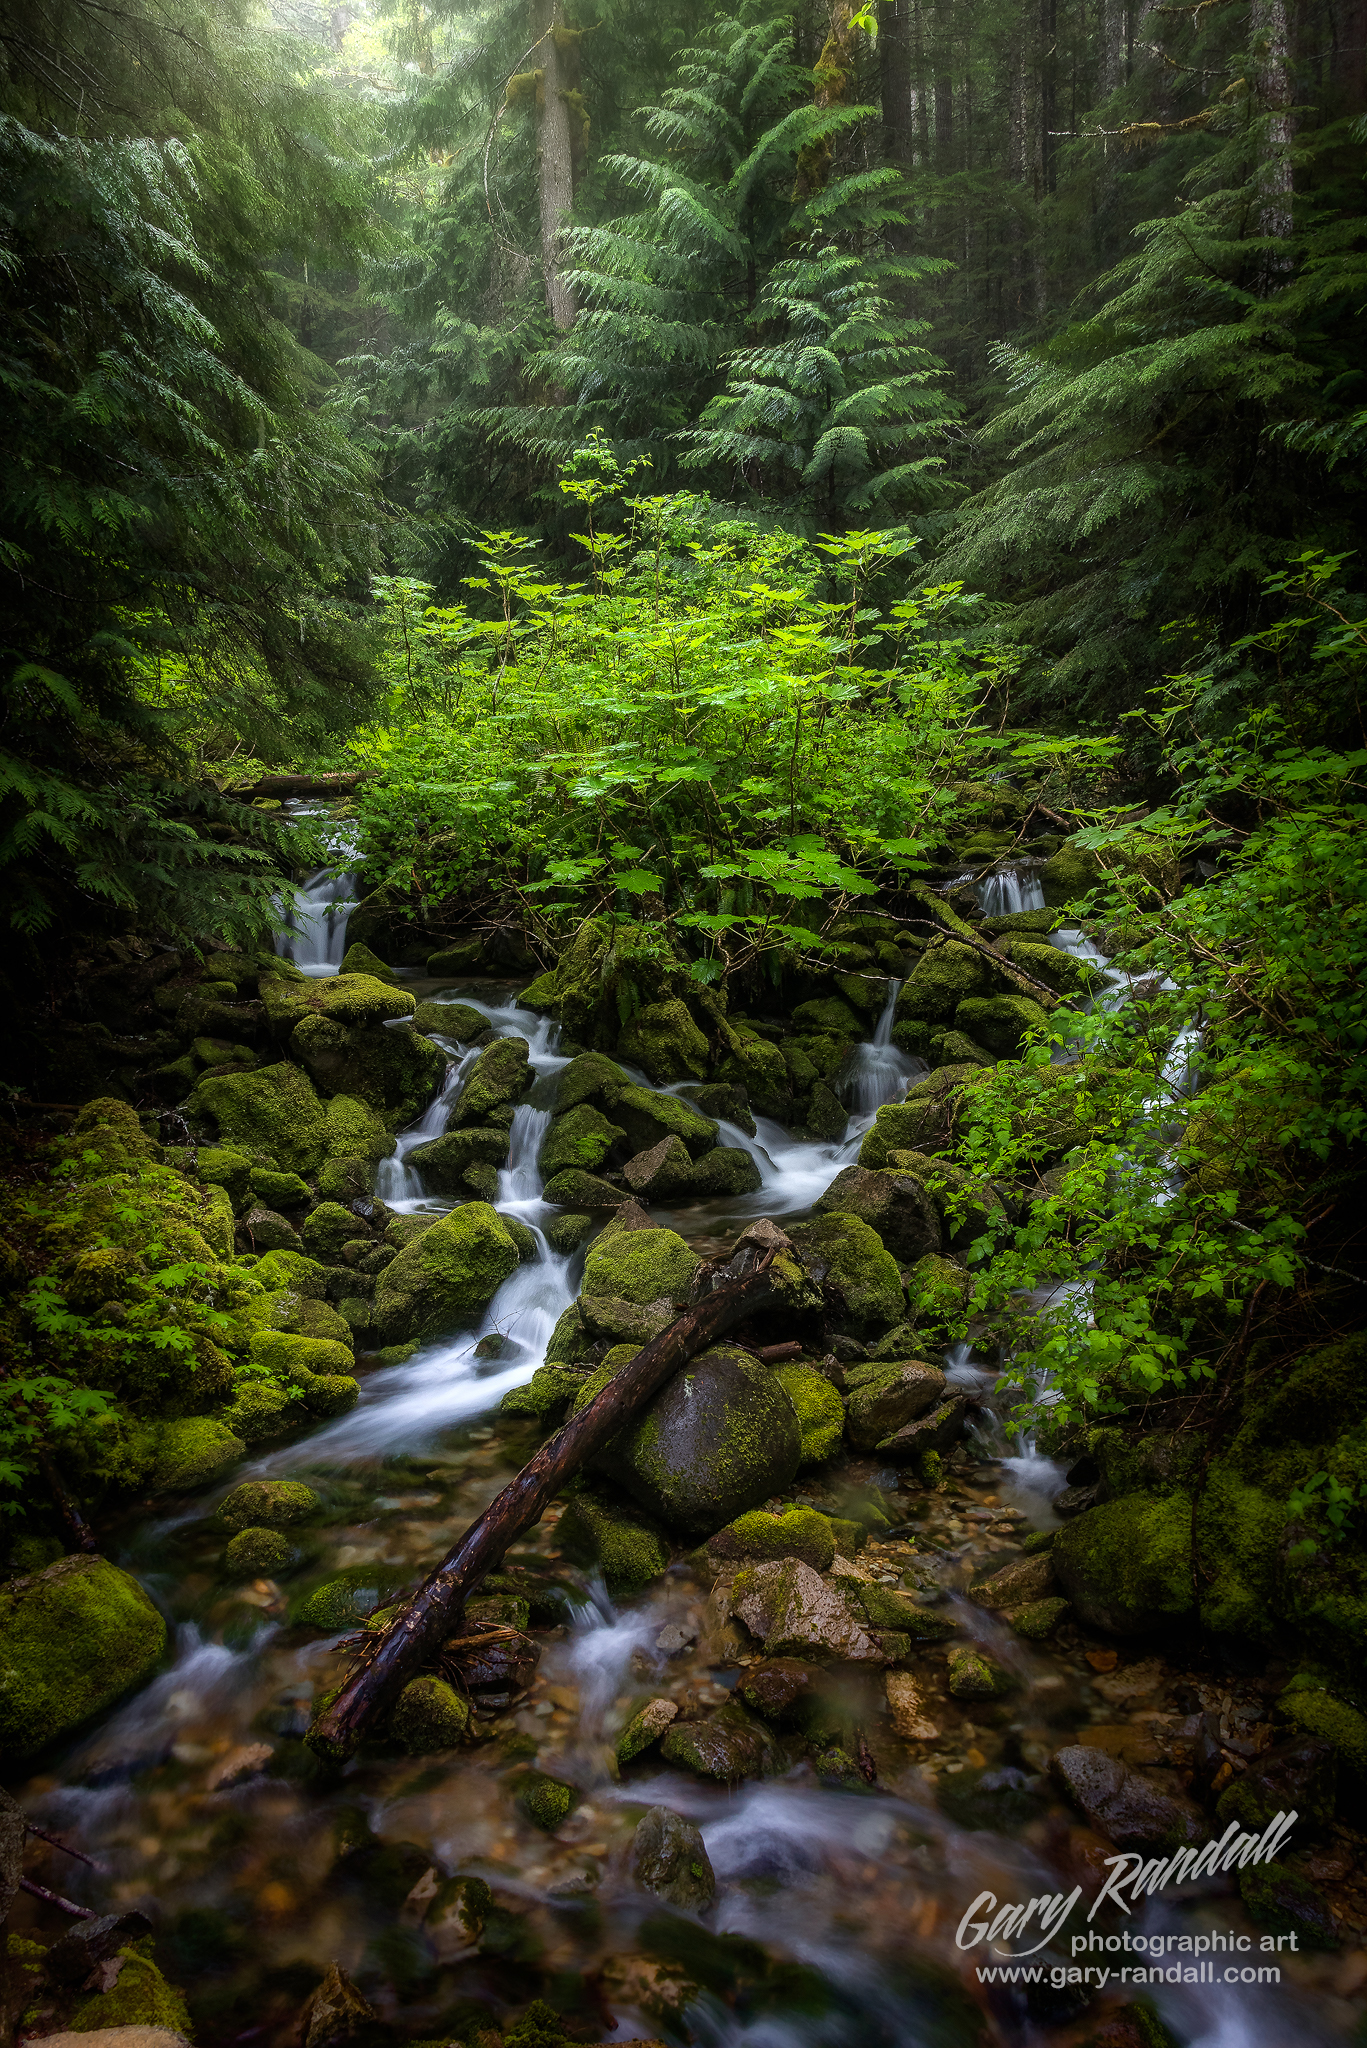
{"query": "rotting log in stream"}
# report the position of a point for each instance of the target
(761, 1269)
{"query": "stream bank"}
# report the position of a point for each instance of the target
(849, 1810)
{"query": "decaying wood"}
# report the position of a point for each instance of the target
(411, 1640)
(282, 786)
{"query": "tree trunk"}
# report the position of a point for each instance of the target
(894, 70)
(555, 156)
(831, 83)
(1114, 36)
(1271, 42)
(1348, 74)
(747, 1283)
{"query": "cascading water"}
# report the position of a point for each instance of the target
(315, 931)
(1009, 890)
(877, 1072)
(398, 1185)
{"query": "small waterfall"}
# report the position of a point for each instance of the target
(876, 1071)
(1009, 890)
(399, 1185)
(314, 937)
(520, 1180)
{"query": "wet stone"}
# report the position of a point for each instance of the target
(778, 1685)
(644, 1728)
(973, 1675)
(1128, 1809)
(730, 1745)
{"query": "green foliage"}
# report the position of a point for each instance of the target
(179, 520)
(1324, 1500)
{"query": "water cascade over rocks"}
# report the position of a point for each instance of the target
(316, 921)
(841, 1722)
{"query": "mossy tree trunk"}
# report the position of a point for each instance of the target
(555, 151)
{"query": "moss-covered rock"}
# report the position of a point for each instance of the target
(428, 1716)
(274, 1112)
(1060, 971)
(545, 1801)
(546, 1395)
(446, 1278)
(1037, 1619)
(1001, 1023)
(640, 1266)
(445, 1164)
(73, 1638)
(193, 1452)
(318, 1366)
(819, 1409)
(720, 1437)
(501, 1074)
(945, 975)
(664, 1039)
(973, 1675)
(885, 1397)
(462, 956)
(360, 960)
(628, 1547)
(395, 1072)
(579, 1140)
(752, 1063)
(267, 1504)
(141, 1998)
(797, 1532)
(279, 1190)
(222, 1166)
(259, 1411)
(326, 1229)
(590, 1077)
(1311, 1705)
(565, 1234)
(647, 1117)
(445, 1018)
(937, 1290)
(724, 1171)
(456, 1918)
(892, 1202)
(356, 1001)
(1126, 1565)
(254, 1551)
(860, 1274)
(729, 1745)
(923, 1122)
(575, 1190)
(829, 1015)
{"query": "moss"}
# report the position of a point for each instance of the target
(1126, 1565)
(850, 1537)
(1279, 1899)
(664, 1039)
(573, 1190)
(359, 1001)
(464, 956)
(447, 1277)
(355, 1130)
(274, 1110)
(946, 975)
(920, 1124)
(828, 1014)
(360, 960)
(459, 1907)
(1060, 971)
(1315, 1711)
(140, 1998)
(819, 1409)
(428, 1716)
(627, 1546)
(253, 1551)
(299, 1358)
(579, 1139)
(590, 1078)
(1037, 1618)
(1001, 1023)
(75, 1637)
(797, 1532)
(194, 1452)
(937, 1290)
(762, 1071)
(279, 1190)
(973, 1675)
(499, 1076)
(446, 1162)
(267, 1503)
(546, 1394)
(338, 1604)
(565, 1234)
(641, 1266)
(222, 1166)
(546, 1802)
(858, 1270)
(647, 1118)
(569, 1342)
(396, 1073)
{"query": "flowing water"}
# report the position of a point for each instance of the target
(834, 1924)
(314, 937)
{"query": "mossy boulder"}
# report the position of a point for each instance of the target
(1126, 1566)
(254, 1551)
(885, 1397)
(267, 1504)
(860, 1274)
(664, 1039)
(1001, 1023)
(73, 1639)
(575, 1190)
(222, 1166)
(1070, 874)
(446, 1278)
(944, 976)
(355, 1001)
(279, 1190)
(937, 1290)
(892, 1202)
(819, 1409)
(923, 1122)
(579, 1140)
(760, 1068)
(462, 956)
(565, 1234)
(545, 1396)
(628, 1547)
(326, 1229)
(457, 1916)
(360, 960)
(724, 1171)
(357, 1138)
(829, 1015)
(443, 1018)
(319, 1366)
(394, 1072)
(719, 1438)
(973, 1675)
(259, 1411)
(797, 1532)
(446, 1163)
(501, 1074)
(428, 1716)
(193, 1452)
(590, 1077)
(1060, 971)
(274, 1112)
(647, 1117)
(641, 1266)
(729, 1745)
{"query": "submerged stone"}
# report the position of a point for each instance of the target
(546, 1801)
(730, 1744)
(669, 1859)
(267, 1503)
(429, 1715)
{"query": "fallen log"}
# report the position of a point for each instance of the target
(281, 786)
(746, 1283)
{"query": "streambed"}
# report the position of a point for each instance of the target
(837, 1905)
